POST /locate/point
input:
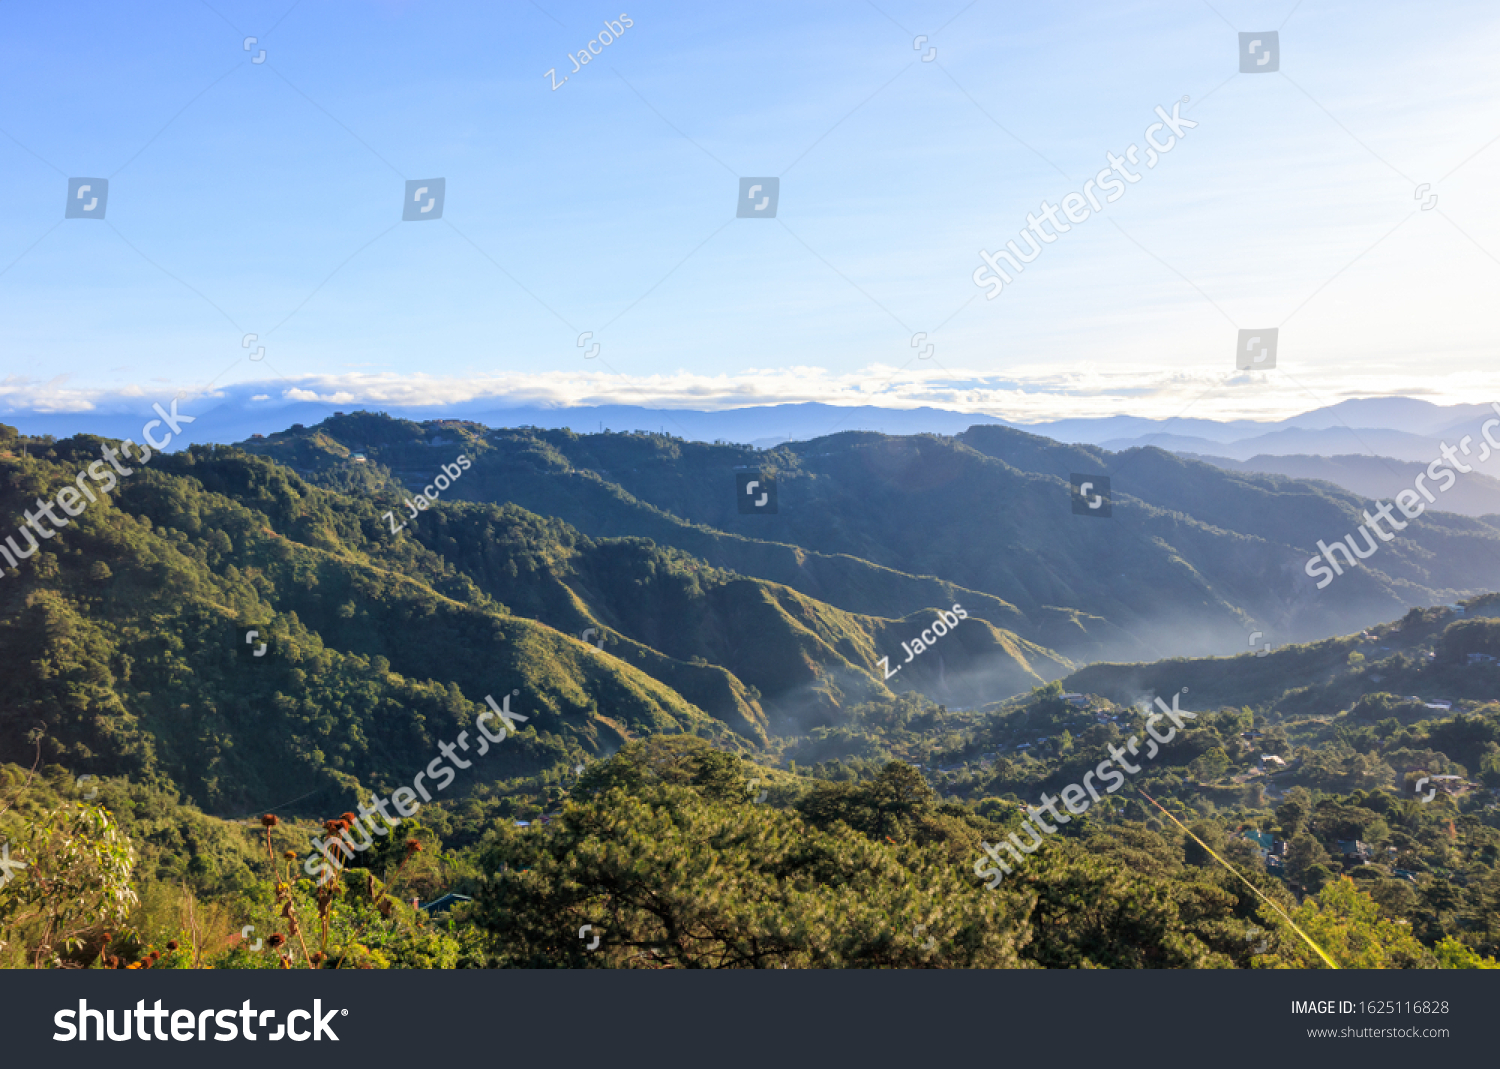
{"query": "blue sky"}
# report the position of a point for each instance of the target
(266, 198)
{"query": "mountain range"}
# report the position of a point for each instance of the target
(1400, 427)
(619, 584)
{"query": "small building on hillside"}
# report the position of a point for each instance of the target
(1263, 841)
(444, 904)
(1454, 785)
(1354, 850)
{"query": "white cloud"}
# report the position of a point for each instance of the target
(1025, 393)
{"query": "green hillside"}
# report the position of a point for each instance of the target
(121, 635)
(1192, 559)
(737, 740)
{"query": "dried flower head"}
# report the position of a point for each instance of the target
(413, 847)
(172, 944)
(270, 820)
(290, 855)
(276, 941)
(350, 819)
(107, 937)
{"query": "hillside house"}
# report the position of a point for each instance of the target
(1354, 850)
(1454, 785)
(1264, 842)
(444, 904)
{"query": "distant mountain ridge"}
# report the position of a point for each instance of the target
(1396, 426)
(1474, 494)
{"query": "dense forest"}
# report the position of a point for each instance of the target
(703, 761)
